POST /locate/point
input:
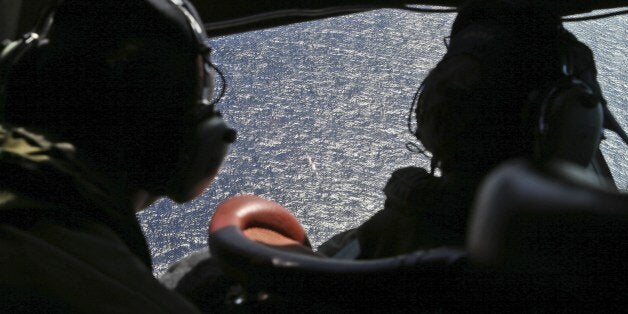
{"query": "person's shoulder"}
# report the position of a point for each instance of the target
(411, 188)
(80, 269)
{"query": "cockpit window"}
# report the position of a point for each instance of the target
(321, 112)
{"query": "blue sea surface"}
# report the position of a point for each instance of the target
(321, 110)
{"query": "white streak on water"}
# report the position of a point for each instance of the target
(312, 164)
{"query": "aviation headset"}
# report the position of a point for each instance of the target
(204, 152)
(570, 115)
(567, 113)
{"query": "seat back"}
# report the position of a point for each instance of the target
(554, 229)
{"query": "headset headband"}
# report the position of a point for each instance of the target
(206, 104)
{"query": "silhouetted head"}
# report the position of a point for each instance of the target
(123, 81)
(479, 106)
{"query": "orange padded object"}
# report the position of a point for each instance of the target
(250, 213)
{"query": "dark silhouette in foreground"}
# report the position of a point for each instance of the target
(107, 107)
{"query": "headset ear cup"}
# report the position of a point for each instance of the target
(14, 52)
(204, 156)
(570, 119)
(18, 49)
(571, 126)
(20, 59)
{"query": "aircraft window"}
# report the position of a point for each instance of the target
(607, 40)
(321, 112)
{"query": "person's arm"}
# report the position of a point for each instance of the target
(400, 227)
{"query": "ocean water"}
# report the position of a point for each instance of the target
(321, 109)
